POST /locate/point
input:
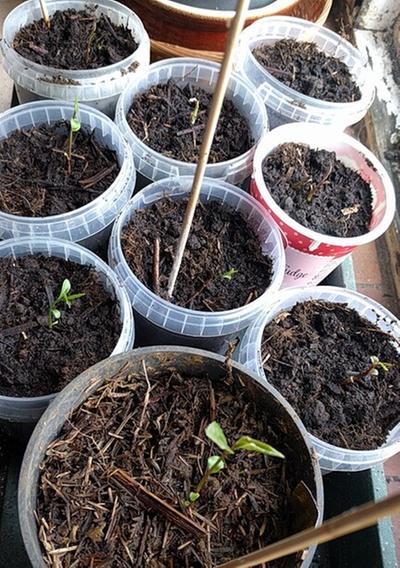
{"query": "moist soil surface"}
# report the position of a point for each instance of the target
(307, 70)
(314, 355)
(75, 40)
(34, 173)
(154, 432)
(163, 117)
(34, 359)
(223, 265)
(318, 191)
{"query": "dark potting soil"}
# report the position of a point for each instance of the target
(34, 176)
(314, 355)
(162, 117)
(318, 191)
(34, 359)
(154, 432)
(308, 70)
(75, 40)
(223, 265)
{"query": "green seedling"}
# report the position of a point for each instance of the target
(371, 371)
(75, 126)
(195, 112)
(229, 274)
(216, 463)
(64, 297)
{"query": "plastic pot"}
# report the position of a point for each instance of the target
(311, 256)
(152, 165)
(285, 104)
(99, 88)
(89, 225)
(331, 458)
(158, 360)
(160, 322)
(19, 414)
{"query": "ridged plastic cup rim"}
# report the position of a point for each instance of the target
(319, 105)
(354, 457)
(120, 294)
(126, 165)
(277, 278)
(126, 95)
(268, 142)
(74, 73)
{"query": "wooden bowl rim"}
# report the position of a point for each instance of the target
(207, 14)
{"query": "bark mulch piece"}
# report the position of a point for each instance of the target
(34, 177)
(34, 359)
(308, 70)
(318, 191)
(162, 118)
(152, 429)
(223, 266)
(75, 40)
(314, 355)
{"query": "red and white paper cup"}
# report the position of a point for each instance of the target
(311, 256)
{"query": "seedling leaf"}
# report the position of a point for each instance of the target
(228, 275)
(55, 313)
(65, 288)
(215, 464)
(253, 445)
(195, 112)
(193, 496)
(215, 433)
(75, 123)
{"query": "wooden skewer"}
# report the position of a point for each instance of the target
(45, 12)
(216, 104)
(351, 521)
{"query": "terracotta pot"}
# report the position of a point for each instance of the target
(180, 30)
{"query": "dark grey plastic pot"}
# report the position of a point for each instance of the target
(161, 359)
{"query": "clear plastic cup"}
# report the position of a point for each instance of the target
(168, 324)
(285, 104)
(99, 88)
(152, 165)
(26, 411)
(311, 256)
(331, 458)
(89, 225)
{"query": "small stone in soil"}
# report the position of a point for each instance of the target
(312, 352)
(162, 445)
(308, 70)
(75, 40)
(34, 178)
(162, 118)
(318, 191)
(34, 359)
(223, 266)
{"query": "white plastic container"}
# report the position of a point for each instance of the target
(152, 165)
(311, 256)
(99, 88)
(331, 458)
(159, 322)
(285, 104)
(26, 411)
(89, 225)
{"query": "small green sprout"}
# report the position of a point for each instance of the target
(91, 38)
(75, 126)
(228, 275)
(195, 112)
(216, 463)
(65, 297)
(372, 371)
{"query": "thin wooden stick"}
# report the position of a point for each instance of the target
(148, 499)
(351, 521)
(216, 104)
(45, 12)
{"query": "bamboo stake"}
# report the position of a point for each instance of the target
(45, 12)
(351, 521)
(216, 104)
